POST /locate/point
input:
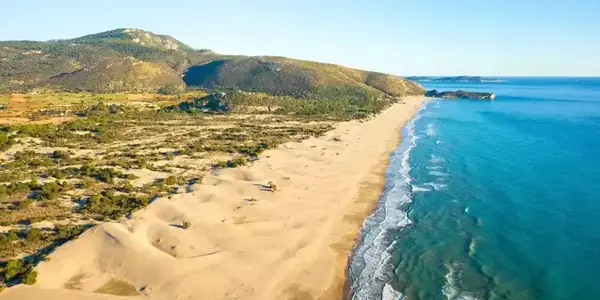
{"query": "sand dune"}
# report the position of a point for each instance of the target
(245, 241)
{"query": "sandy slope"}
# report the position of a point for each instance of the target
(288, 244)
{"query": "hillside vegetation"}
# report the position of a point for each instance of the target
(285, 76)
(133, 60)
(121, 60)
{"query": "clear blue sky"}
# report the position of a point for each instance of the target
(404, 37)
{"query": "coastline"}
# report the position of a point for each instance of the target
(290, 244)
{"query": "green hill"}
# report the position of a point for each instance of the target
(118, 60)
(299, 78)
(133, 60)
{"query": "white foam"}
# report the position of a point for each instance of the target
(433, 167)
(430, 130)
(416, 189)
(436, 185)
(438, 173)
(389, 293)
(370, 268)
(450, 289)
(436, 159)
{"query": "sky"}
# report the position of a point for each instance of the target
(402, 37)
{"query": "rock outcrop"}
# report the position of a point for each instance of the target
(460, 94)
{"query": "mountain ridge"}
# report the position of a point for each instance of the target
(135, 60)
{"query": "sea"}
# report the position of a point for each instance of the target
(490, 199)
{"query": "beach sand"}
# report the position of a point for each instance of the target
(245, 241)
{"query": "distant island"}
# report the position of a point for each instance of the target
(455, 79)
(460, 94)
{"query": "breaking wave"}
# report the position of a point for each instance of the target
(450, 289)
(370, 269)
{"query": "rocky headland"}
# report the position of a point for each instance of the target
(460, 94)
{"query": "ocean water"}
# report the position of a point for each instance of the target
(490, 199)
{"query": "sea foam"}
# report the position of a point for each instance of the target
(450, 289)
(370, 269)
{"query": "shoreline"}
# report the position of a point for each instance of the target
(244, 242)
(370, 193)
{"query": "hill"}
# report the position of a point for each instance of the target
(117, 60)
(134, 60)
(299, 78)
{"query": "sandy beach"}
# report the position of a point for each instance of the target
(245, 241)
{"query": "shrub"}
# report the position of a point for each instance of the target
(23, 204)
(66, 232)
(50, 191)
(186, 225)
(236, 162)
(30, 278)
(14, 269)
(272, 186)
(112, 206)
(6, 141)
(33, 234)
(12, 235)
(128, 187)
(65, 186)
(171, 180)
(58, 154)
(87, 182)
(34, 184)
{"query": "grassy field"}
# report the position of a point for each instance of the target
(71, 160)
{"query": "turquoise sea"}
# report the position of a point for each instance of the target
(490, 199)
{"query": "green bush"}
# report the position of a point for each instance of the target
(128, 187)
(112, 206)
(33, 234)
(13, 235)
(58, 154)
(6, 141)
(232, 163)
(50, 191)
(30, 278)
(13, 269)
